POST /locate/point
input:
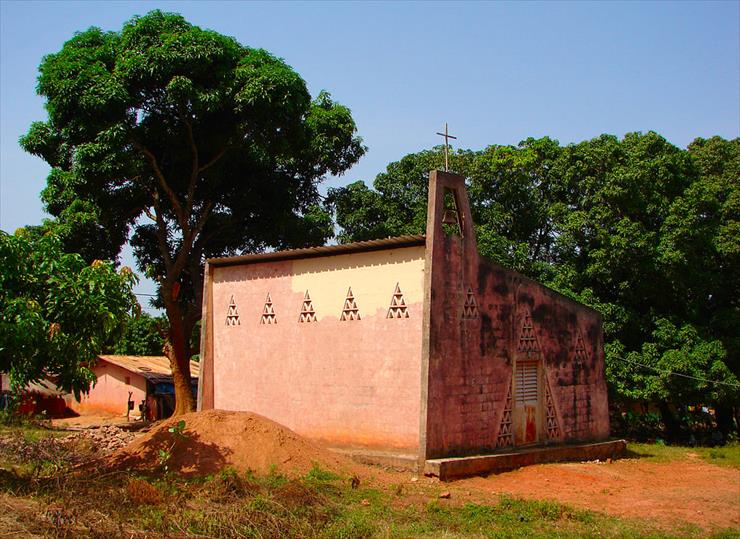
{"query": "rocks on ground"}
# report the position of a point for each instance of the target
(104, 440)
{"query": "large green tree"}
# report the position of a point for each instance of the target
(57, 311)
(643, 231)
(143, 335)
(192, 145)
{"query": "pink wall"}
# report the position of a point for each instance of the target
(110, 393)
(471, 360)
(347, 383)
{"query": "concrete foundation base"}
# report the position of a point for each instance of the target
(396, 461)
(453, 468)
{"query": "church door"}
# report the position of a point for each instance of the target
(526, 402)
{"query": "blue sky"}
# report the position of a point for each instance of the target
(498, 72)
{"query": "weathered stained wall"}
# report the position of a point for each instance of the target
(110, 393)
(348, 383)
(472, 352)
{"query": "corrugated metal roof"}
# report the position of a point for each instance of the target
(326, 250)
(46, 388)
(43, 387)
(156, 369)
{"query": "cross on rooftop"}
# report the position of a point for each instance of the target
(447, 136)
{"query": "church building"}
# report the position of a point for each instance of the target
(407, 350)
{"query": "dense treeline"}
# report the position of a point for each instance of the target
(644, 231)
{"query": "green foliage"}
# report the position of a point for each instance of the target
(189, 143)
(142, 336)
(646, 233)
(396, 207)
(178, 435)
(177, 430)
(56, 311)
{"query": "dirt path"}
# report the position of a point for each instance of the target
(684, 491)
(89, 420)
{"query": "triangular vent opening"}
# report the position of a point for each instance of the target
(398, 308)
(506, 429)
(470, 307)
(527, 339)
(552, 426)
(581, 356)
(307, 312)
(268, 312)
(350, 310)
(232, 316)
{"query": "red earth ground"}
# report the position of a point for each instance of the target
(684, 491)
(687, 491)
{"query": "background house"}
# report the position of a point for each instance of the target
(38, 398)
(146, 381)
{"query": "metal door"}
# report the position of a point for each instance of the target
(526, 402)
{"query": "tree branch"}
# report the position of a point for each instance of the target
(215, 160)
(194, 170)
(163, 182)
(203, 218)
(161, 231)
(188, 240)
(195, 312)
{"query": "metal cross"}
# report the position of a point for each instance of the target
(447, 136)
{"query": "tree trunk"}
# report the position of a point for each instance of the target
(672, 428)
(726, 420)
(178, 352)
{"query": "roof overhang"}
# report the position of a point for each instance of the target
(327, 250)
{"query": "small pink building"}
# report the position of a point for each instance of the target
(144, 381)
(42, 398)
(409, 349)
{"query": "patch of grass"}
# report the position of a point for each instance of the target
(658, 452)
(725, 534)
(319, 475)
(511, 517)
(727, 455)
(31, 431)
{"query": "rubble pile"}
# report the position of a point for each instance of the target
(105, 439)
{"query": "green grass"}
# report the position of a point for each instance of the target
(510, 517)
(31, 432)
(728, 455)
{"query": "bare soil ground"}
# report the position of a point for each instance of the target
(671, 493)
(683, 491)
(215, 439)
(89, 420)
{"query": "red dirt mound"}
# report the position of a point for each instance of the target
(214, 439)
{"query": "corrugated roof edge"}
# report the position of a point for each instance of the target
(156, 368)
(326, 250)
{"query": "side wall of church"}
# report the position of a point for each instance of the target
(482, 319)
(291, 342)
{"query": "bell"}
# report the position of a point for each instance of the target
(449, 217)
